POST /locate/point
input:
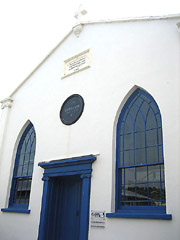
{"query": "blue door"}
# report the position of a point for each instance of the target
(63, 208)
(65, 200)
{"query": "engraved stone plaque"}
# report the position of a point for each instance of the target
(72, 109)
(76, 63)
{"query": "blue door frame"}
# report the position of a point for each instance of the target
(81, 166)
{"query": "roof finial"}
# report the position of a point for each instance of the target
(81, 11)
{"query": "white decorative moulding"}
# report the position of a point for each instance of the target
(76, 63)
(6, 103)
(77, 29)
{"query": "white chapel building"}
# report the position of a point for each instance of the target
(90, 141)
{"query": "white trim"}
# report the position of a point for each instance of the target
(134, 19)
(64, 157)
(7, 102)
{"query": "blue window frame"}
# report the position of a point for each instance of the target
(23, 169)
(140, 184)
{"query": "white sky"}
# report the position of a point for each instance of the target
(29, 29)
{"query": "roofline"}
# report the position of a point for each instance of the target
(135, 19)
(130, 19)
(39, 65)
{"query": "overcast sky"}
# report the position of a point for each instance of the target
(29, 29)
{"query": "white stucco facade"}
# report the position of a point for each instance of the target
(142, 53)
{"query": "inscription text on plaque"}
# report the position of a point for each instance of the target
(76, 63)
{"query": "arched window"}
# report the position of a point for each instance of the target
(140, 181)
(23, 169)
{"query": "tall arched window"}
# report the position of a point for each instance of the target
(140, 181)
(23, 169)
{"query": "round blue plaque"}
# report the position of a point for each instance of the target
(72, 109)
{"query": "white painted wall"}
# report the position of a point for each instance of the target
(124, 55)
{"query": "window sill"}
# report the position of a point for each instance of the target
(140, 215)
(15, 210)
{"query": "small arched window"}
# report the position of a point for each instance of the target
(140, 164)
(23, 169)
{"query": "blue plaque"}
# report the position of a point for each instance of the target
(72, 109)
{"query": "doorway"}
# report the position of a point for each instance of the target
(65, 200)
(63, 208)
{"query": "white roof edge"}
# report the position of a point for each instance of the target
(134, 19)
(130, 19)
(51, 52)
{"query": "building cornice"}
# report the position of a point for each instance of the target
(7, 102)
(134, 19)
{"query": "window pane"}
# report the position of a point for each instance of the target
(162, 172)
(22, 191)
(121, 143)
(158, 118)
(160, 154)
(19, 171)
(24, 185)
(159, 136)
(154, 108)
(16, 197)
(27, 157)
(128, 141)
(141, 192)
(138, 101)
(25, 170)
(33, 146)
(155, 203)
(139, 124)
(27, 195)
(128, 125)
(151, 121)
(122, 193)
(133, 111)
(21, 158)
(154, 191)
(29, 184)
(152, 155)
(144, 109)
(154, 173)
(163, 191)
(129, 175)
(121, 171)
(139, 139)
(23, 148)
(28, 147)
(122, 128)
(140, 156)
(30, 169)
(121, 159)
(143, 203)
(32, 157)
(133, 203)
(129, 158)
(17, 192)
(134, 100)
(141, 174)
(146, 99)
(151, 137)
(130, 194)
